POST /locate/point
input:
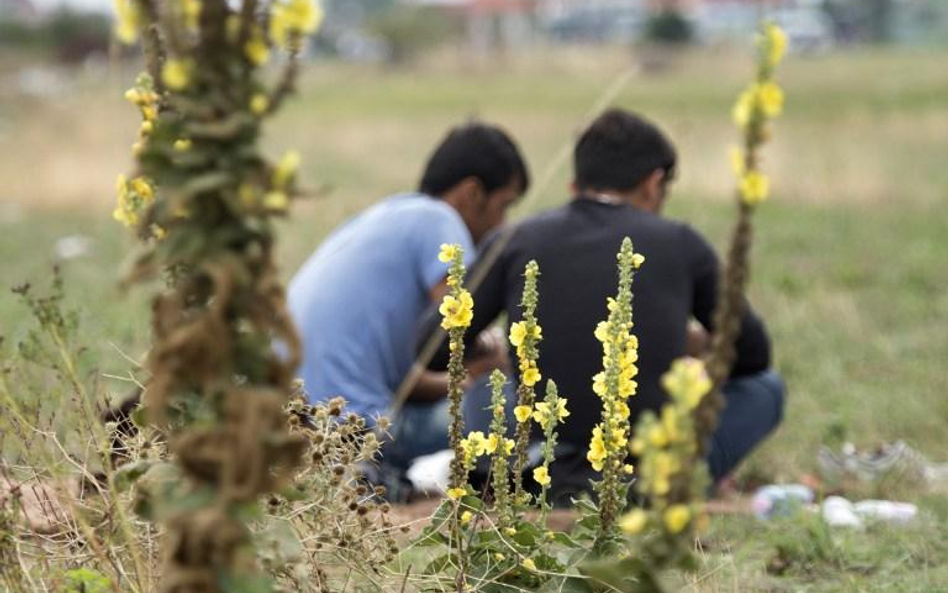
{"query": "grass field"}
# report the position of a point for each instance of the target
(850, 262)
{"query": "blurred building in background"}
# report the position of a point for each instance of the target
(396, 31)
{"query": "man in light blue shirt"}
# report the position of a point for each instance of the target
(358, 299)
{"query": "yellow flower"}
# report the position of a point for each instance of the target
(259, 103)
(754, 188)
(670, 423)
(490, 445)
(256, 48)
(147, 127)
(561, 411)
(775, 42)
(127, 20)
(770, 99)
(456, 493)
(509, 446)
(743, 108)
(687, 381)
(597, 449)
(499, 557)
(286, 168)
(518, 333)
(541, 475)
(182, 145)
(294, 17)
(457, 312)
(676, 517)
(466, 517)
(531, 376)
(191, 10)
(637, 260)
(176, 74)
(633, 522)
(275, 200)
(529, 564)
(149, 112)
(628, 468)
(522, 413)
(448, 252)
(737, 161)
(476, 443)
(142, 188)
(542, 415)
(657, 437)
(602, 331)
(599, 384)
(637, 447)
(510, 531)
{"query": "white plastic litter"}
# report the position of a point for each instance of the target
(839, 512)
(429, 473)
(780, 499)
(886, 511)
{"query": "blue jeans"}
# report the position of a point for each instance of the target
(753, 409)
(422, 428)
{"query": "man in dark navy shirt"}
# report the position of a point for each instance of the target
(623, 166)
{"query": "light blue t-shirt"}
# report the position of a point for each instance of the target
(358, 299)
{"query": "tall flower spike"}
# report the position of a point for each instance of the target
(614, 385)
(525, 335)
(757, 105)
(500, 447)
(672, 474)
(201, 183)
(457, 310)
(549, 413)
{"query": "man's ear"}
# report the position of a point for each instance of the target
(470, 189)
(653, 187)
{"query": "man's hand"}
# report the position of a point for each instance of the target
(697, 339)
(489, 353)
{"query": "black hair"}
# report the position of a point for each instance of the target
(619, 150)
(476, 150)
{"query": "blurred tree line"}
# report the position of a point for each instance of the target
(65, 35)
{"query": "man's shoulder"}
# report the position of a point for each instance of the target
(416, 204)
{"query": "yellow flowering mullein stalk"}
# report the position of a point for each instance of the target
(672, 473)
(500, 447)
(548, 414)
(756, 106)
(181, 100)
(524, 336)
(457, 311)
(615, 385)
(760, 102)
(201, 181)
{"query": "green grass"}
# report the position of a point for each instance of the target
(849, 260)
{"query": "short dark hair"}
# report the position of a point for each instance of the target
(619, 150)
(476, 150)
